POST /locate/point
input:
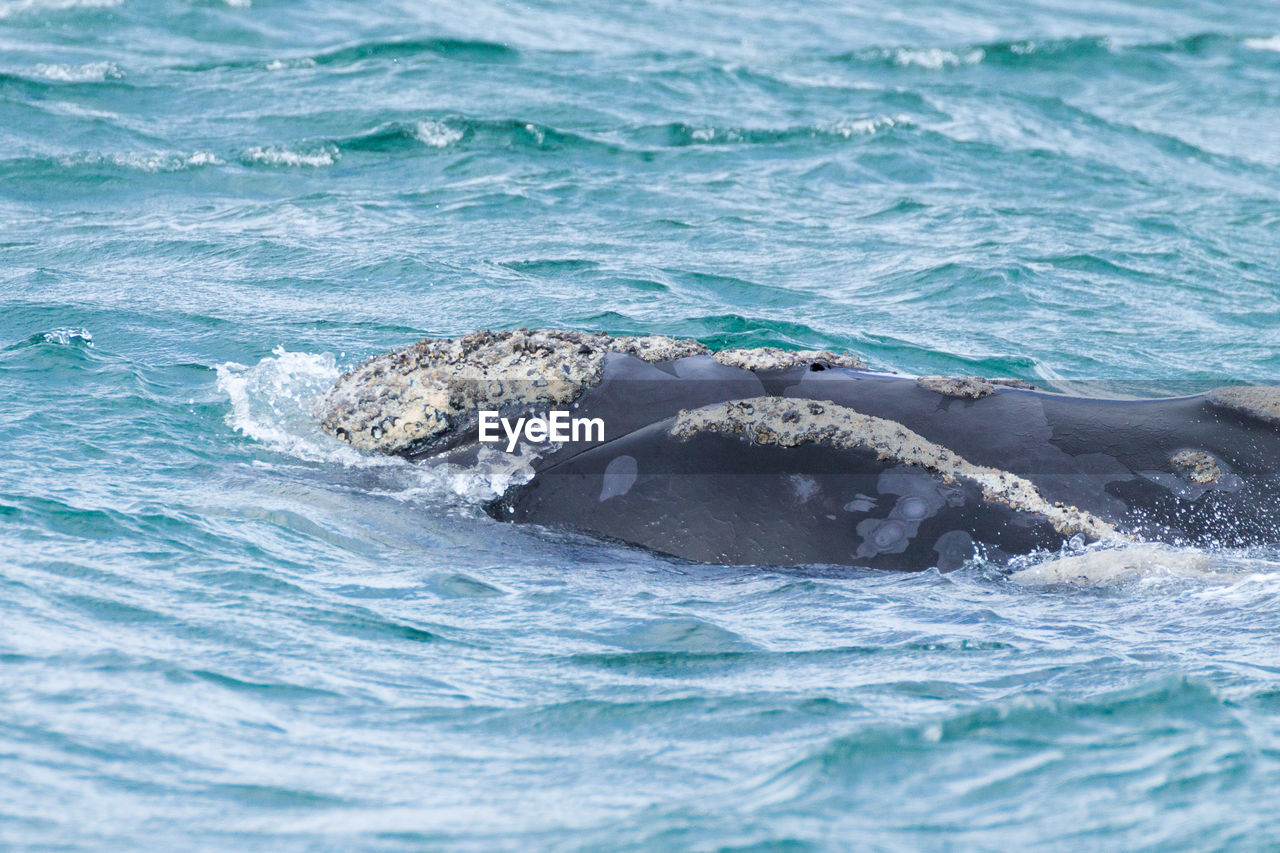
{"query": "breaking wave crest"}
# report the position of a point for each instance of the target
(87, 73)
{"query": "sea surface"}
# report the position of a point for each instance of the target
(222, 630)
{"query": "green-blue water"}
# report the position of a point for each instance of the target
(221, 630)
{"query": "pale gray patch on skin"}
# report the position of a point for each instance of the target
(920, 496)
(805, 487)
(773, 358)
(421, 392)
(619, 476)
(1255, 401)
(884, 536)
(1195, 473)
(860, 503)
(788, 422)
(953, 548)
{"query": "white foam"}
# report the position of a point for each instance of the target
(15, 7)
(68, 336)
(1270, 43)
(152, 161)
(867, 126)
(273, 155)
(436, 134)
(285, 64)
(91, 72)
(935, 58)
(1122, 564)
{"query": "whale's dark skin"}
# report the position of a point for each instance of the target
(723, 499)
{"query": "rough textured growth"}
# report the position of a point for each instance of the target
(1197, 466)
(965, 387)
(968, 387)
(418, 393)
(788, 422)
(1256, 401)
(772, 358)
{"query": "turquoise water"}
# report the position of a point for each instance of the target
(221, 630)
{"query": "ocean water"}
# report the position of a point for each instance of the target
(220, 629)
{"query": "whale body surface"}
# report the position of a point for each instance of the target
(771, 457)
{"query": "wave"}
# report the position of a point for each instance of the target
(65, 336)
(1023, 53)
(452, 48)
(440, 134)
(1029, 717)
(513, 133)
(679, 134)
(394, 50)
(483, 133)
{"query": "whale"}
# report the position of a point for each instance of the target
(765, 456)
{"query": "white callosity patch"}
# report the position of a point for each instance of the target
(1256, 401)
(1117, 565)
(1197, 466)
(420, 392)
(772, 358)
(788, 422)
(968, 387)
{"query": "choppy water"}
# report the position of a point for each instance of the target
(218, 629)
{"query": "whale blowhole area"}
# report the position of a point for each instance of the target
(773, 358)
(969, 387)
(419, 396)
(415, 394)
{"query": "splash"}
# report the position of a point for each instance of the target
(1118, 565)
(68, 337)
(275, 402)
